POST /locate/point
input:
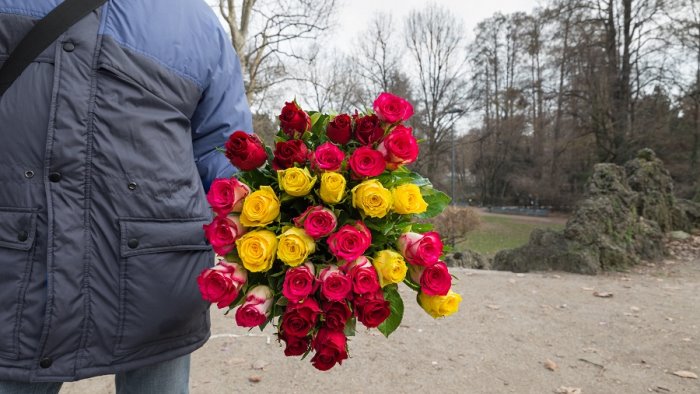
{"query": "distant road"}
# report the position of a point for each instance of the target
(552, 219)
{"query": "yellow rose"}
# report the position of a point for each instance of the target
(257, 250)
(407, 199)
(440, 306)
(295, 246)
(372, 198)
(332, 187)
(390, 266)
(260, 208)
(297, 182)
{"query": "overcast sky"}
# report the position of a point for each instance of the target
(354, 14)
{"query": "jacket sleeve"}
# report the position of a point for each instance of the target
(222, 109)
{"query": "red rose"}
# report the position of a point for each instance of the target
(340, 129)
(222, 283)
(296, 346)
(293, 120)
(223, 232)
(363, 275)
(289, 152)
(227, 195)
(367, 162)
(392, 109)
(434, 280)
(256, 307)
(317, 221)
(299, 282)
(421, 249)
(336, 315)
(372, 309)
(245, 151)
(327, 157)
(399, 148)
(350, 241)
(368, 130)
(331, 348)
(300, 318)
(335, 285)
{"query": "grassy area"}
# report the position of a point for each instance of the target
(497, 233)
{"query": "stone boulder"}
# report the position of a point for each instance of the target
(620, 222)
(468, 259)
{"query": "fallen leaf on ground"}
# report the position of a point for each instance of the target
(568, 390)
(494, 307)
(550, 365)
(255, 379)
(686, 374)
(603, 294)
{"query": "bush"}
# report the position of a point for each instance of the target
(455, 223)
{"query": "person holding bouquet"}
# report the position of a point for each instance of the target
(110, 116)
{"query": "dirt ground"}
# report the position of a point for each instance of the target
(509, 329)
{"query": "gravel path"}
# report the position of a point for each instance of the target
(509, 330)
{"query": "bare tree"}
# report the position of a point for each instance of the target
(266, 34)
(331, 79)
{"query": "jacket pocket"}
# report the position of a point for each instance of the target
(159, 297)
(17, 234)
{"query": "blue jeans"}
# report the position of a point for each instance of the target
(169, 377)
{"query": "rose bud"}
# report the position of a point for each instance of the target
(392, 109)
(222, 283)
(363, 275)
(299, 282)
(372, 309)
(318, 221)
(223, 233)
(366, 162)
(399, 148)
(293, 120)
(245, 151)
(327, 157)
(340, 129)
(350, 241)
(296, 346)
(331, 348)
(368, 130)
(335, 285)
(300, 318)
(256, 307)
(421, 249)
(336, 315)
(227, 195)
(288, 153)
(435, 280)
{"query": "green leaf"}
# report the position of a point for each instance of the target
(410, 283)
(437, 202)
(391, 294)
(421, 227)
(350, 327)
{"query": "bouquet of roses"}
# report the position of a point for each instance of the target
(318, 234)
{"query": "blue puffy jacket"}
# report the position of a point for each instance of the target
(106, 147)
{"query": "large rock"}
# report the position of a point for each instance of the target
(621, 221)
(468, 259)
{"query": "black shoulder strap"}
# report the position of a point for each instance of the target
(45, 32)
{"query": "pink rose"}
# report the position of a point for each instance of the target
(223, 232)
(367, 162)
(222, 283)
(363, 275)
(317, 221)
(331, 348)
(340, 129)
(327, 157)
(350, 241)
(399, 148)
(392, 109)
(299, 282)
(300, 318)
(335, 285)
(434, 280)
(227, 195)
(256, 307)
(421, 249)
